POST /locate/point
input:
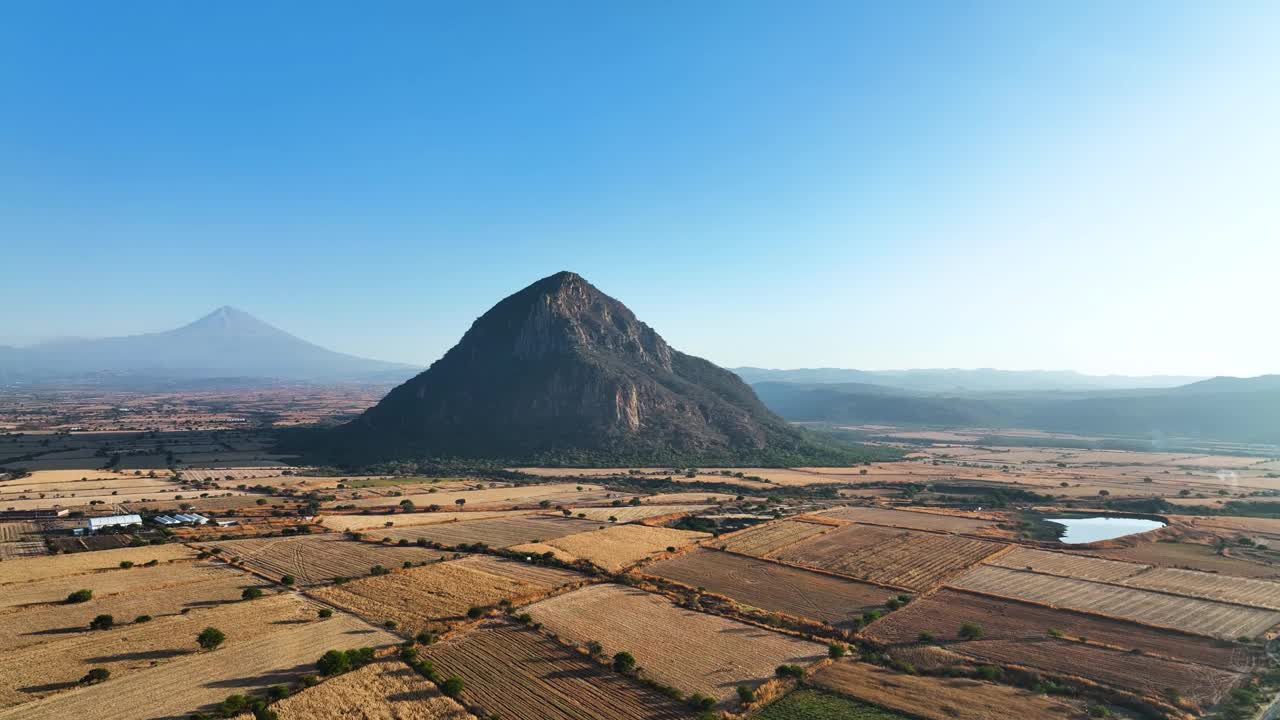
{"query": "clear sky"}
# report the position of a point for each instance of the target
(1067, 185)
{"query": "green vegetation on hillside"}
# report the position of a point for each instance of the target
(809, 704)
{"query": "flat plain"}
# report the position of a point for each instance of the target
(315, 559)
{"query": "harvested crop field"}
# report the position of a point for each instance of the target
(1190, 556)
(313, 559)
(1141, 674)
(527, 495)
(194, 682)
(761, 540)
(1201, 617)
(810, 704)
(1243, 591)
(618, 547)
(498, 532)
(517, 674)
(421, 598)
(900, 558)
(110, 582)
(910, 519)
(384, 690)
(942, 613)
(75, 564)
(1073, 566)
(940, 698)
(372, 523)
(40, 623)
(687, 650)
(58, 664)
(773, 587)
(634, 513)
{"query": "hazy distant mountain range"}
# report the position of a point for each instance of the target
(956, 380)
(227, 343)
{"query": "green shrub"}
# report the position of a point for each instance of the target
(624, 662)
(324, 613)
(746, 695)
(452, 687)
(251, 593)
(79, 596)
(210, 638)
(96, 675)
(970, 631)
(102, 622)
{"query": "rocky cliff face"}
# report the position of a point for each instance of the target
(560, 366)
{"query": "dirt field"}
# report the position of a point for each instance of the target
(942, 613)
(373, 523)
(633, 514)
(1074, 566)
(79, 563)
(617, 547)
(761, 540)
(313, 559)
(681, 648)
(1141, 674)
(110, 582)
(517, 674)
(421, 598)
(940, 698)
(1244, 591)
(20, 540)
(497, 532)
(1202, 617)
(907, 559)
(385, 690)
(502, 497)
(770, 586)
(178, 687)
(909, 519)
(1190, 556)
(58, 665)
(39, 623)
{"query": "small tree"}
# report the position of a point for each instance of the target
(251, 593)
(746, 695)
(79, 596)
(460, 502)
(325, 613)
(210, 638)
(287, 580)
(102, 622)
(594, 647)
(126, 564)
(624, 662)
(452, 687)
(835, 651)
(142, 619)
(970, 631)
(333, 662)
(96, 675)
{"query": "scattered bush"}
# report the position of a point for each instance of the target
(624, 662)
(746, 695)
(126, 564)
(210, 638)
(142, 619)
(789, 671)
(79, 596)
(452, 687)
(102, 622)
(96, 675)
(251, 593)
(287, 580)
(970, 631)
(836, 651)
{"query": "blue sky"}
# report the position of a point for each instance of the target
(1084, 185)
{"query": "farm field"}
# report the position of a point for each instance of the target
(58, 664)
(632, 514)
(1186, 555)
(761, 540)
(942, 613)
(110, 582)
(770, 586)
(1245, 591)
(38, 623)
(687, 650)
(180, 686)
(915, 520)
(79, 563)
(496, 532)
(19, 540)
(501, 497)
(518, 674)
(422, 598)
(313, 559)
(1201, 617)
(940, 698)
(1073, 566)
(386, 689)
(1143, 675)
(810, 704)
(371, 523)
(617, 547)
(907, 559)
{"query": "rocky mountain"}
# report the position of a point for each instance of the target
(223, 344)
(561, 372)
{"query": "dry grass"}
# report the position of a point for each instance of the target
(1074, 566)
(620, 546)
(916, 520)
(635, 513)
(110, 582)
(1244, 591)
(79, 563)
(385, 690)
(681, 648)
(760, 540)
(1201, 617)
(555, 493)
(372, 523)
(421, 598)
(183, 685)
(496, 532)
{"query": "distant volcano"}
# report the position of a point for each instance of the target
(225, 343)
(560, 370)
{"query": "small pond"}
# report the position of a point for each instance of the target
(1092, 529)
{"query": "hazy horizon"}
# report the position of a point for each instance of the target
(1084, 186)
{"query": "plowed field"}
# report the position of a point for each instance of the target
(1075, 566)
(497, 532)
(313, 559)
(769, 537)
(620, 546)
(1245, 591)
(385, 690)
(909, 519)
